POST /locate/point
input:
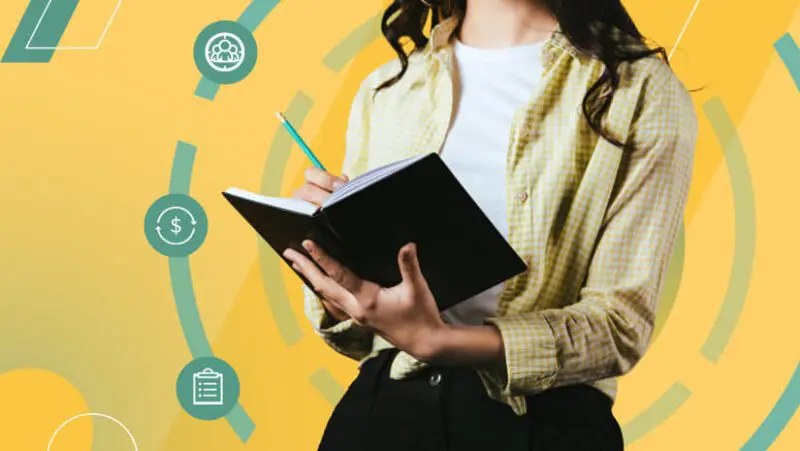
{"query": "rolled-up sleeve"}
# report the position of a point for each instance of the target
(347, 337)
(606, 331)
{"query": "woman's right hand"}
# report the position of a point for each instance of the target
(318, 186)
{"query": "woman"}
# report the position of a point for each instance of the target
(577, 140)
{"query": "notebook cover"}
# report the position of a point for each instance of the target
(461, 253)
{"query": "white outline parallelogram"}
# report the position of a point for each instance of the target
(87, 47)
(683, 30)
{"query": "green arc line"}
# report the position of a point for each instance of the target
(251, 18)
(272, 178)
(672, 283)
(182, 288)
(779, 416)
(660, 410)
(180, 274)
(788, 403)
(736, 293)
(324, 382)
(285, 319)
(744, 234)
(352, 44)
(299, 107)
(279, 304)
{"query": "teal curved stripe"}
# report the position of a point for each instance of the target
(352, 44)
(182, 164)
(285, 319)
(251, 18)
(256, 12)
(745, 231)
(672, 281)
(207, 89)
(790, 54)
(324, 382)
(778, 418)
(298, 109)
(240, 422)
(181, 275)
(660, 410)
(182, 288)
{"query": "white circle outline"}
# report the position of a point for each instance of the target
(158, 226)
(93, 414)
(225, 34)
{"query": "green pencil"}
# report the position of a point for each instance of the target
(296, 136)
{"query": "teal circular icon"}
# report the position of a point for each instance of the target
(225, 52)
(208, 388)
(175, 225)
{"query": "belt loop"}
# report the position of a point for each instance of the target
(385, 357)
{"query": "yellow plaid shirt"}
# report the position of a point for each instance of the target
(594, 224)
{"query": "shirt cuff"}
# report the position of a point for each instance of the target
(322, 321)
(346, 337)
(531, 357)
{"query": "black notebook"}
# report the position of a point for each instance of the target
(365, 223)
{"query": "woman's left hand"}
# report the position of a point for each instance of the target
(406, 314)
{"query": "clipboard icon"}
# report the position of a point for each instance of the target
(207, 386)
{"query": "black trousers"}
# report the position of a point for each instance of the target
(447, 409)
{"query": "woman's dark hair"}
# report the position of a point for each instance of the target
(601, 28)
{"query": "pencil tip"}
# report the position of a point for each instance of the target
(280, 116)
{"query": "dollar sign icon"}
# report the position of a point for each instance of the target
(182, 225)
(176, 228)
(176, 225)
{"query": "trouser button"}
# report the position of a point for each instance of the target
(435, 378)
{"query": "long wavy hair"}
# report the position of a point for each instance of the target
(601, 28)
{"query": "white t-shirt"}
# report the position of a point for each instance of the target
(490, 86)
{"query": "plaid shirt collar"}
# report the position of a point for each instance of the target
(442, 34)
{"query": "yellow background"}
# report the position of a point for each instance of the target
(87, 317)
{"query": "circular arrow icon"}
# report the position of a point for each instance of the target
(176, 225)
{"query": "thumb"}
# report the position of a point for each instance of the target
(409, 265)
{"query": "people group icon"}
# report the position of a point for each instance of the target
(225, 52)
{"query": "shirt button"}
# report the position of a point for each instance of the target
(435, 379)
(522, 196)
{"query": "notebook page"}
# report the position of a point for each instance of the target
(284, 203)
(368, 178)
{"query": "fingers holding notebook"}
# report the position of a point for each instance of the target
(318, 185)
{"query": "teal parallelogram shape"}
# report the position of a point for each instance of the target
(48, 33)
(790, 54)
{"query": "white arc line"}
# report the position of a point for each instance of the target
(176, 207)
(683, 30)
(93, 414)
(171, 243)
(95, 47)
